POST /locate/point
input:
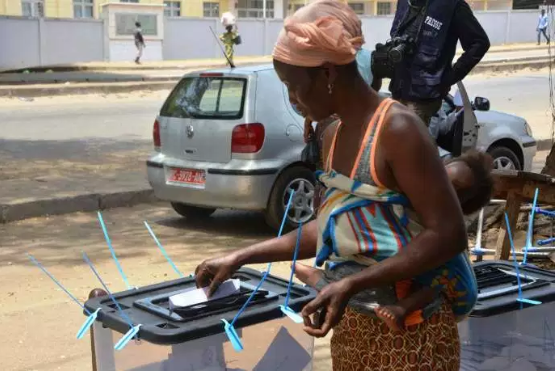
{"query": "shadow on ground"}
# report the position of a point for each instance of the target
(60, 240)
(30, 159)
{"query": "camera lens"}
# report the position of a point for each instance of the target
(396, 53)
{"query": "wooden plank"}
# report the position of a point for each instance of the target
(546, 192)
(513, 204)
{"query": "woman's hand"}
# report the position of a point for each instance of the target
(328, 307)
(213, 272)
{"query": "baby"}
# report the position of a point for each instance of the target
(470, 176)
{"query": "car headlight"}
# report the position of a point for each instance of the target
(528, 129)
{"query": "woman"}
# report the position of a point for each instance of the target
(314, 57)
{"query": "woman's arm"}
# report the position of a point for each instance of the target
(280, 249)
(415, 169)
(212, 272)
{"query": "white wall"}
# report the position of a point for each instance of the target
(34, 42)
(27, 42)
(20, 43)
(191, 38)
(495, 25)
(71, 41)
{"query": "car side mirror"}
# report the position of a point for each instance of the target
(481, 104)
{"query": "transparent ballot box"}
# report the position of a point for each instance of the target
(193, 338)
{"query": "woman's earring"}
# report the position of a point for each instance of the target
(330, 87)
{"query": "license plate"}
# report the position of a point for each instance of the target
(190, 177)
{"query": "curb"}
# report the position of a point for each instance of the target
(513, 65)
(94, 202)
(33, 91)
(73, 204)
(85, 68)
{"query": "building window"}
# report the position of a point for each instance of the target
(129, 1)
(32, 8)
(211, 10)
(383, 8)
(254, 8)
(83, 8)
(358, 8)
(172, 8)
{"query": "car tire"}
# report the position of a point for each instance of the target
(504, 158)
(192, 212)
(302, 181)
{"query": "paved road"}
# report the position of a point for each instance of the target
(111, 135)
(123, 119)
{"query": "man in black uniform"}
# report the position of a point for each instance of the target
(428, 32)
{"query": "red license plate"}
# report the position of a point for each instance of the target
(187, 176)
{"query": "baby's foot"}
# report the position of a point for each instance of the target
(393, 316)
(307, 274)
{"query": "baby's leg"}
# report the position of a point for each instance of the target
(394, 315)
(309, 275)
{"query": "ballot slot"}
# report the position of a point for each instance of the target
(160, 304)
(495, 281)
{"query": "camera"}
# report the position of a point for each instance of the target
(387, 56)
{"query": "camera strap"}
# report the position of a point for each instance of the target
(410, 17)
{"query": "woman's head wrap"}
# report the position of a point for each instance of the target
(323, 31)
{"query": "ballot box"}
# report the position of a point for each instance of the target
(193, 338)
(503, 333)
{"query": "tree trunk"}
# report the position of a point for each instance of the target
(548, 168)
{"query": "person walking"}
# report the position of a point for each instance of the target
(139, 42)
(541, 27)
(229, 39)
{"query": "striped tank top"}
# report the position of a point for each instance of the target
(360, 220)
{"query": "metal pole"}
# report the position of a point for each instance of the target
(94, 294)
(479, 234)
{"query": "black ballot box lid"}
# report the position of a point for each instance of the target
(498, 287)
(149, 306)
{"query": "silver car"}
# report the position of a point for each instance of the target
(231, 139)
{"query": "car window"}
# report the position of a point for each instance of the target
(206, 97)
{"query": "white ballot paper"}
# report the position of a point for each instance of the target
(198, 296)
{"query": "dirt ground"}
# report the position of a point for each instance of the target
(37, 318)
(36, 315)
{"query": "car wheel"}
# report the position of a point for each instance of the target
(189, 211)
(301, 181)
(504, 158)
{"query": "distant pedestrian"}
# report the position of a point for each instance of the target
(139, 42)
(541, 28)
(229, 39)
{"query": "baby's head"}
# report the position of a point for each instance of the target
(470, 174)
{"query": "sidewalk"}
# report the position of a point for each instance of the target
(213, 63)
(171, 71)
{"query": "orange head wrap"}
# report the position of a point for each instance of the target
(323, 31)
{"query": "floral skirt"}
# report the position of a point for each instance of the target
(362, 343)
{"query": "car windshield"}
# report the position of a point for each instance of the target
(206, 97)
